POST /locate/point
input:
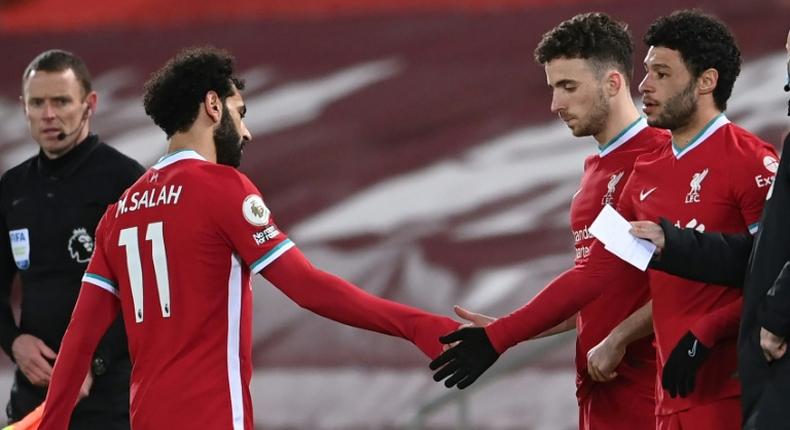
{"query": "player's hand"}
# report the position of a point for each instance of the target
(651, 231)
(85, 389)
(31, 354)
(680, 370)
(474, 319)
(603, 359)
(774, 347)
(467, 360)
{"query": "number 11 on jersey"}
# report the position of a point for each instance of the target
(128, 239)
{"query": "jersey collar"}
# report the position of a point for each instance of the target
(624, 136)
(174, 157)
(716, 123)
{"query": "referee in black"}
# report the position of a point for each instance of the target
(49, 207)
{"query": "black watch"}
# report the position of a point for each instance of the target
(98, 366)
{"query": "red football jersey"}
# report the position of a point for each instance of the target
(605, 176)
(717, 183)
(195, 230)
(178, 250)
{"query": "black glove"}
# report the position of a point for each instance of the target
(680, 370)
(465, 362)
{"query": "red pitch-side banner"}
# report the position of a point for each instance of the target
(58, 15)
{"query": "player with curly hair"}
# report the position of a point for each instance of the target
(175, 254)
(588, 60)
(712, 175)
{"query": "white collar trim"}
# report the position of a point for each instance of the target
(711, 127)
(174, 157)
(630, 131)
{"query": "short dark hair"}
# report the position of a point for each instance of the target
(58, 60)
(593, 36)
(704, 43)
(173, 93)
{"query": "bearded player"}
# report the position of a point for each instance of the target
(175, 254)
(711, 175)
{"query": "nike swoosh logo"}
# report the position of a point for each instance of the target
(643, 194)
(693, 351)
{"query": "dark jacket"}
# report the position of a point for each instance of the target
(49, 210)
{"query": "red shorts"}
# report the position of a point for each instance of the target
(618, 406)
(724, 414)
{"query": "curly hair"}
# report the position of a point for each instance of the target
(593, 36)
(704, 43)
(174, 93)
(58, 60)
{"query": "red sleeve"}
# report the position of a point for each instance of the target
(723, 323)
(562, 298)
(568, 293)
(247, 224)
(758, 172)
(94, 312)
(334, 298)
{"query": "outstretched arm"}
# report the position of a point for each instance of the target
(479, 347)
(562, 298)
(481, 320)
(332, 297)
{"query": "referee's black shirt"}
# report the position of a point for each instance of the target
(49, 209)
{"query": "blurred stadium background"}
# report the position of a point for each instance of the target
(406, 145)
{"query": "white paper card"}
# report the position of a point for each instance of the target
(613, 231)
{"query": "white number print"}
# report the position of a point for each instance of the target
(129, 240)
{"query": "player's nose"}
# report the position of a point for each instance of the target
(245, 133)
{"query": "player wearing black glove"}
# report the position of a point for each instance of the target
(681, 367)
(467, 360)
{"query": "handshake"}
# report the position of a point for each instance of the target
(468, 352)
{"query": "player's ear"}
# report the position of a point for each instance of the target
(707, 81)
(613, 83)
(213, 106)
